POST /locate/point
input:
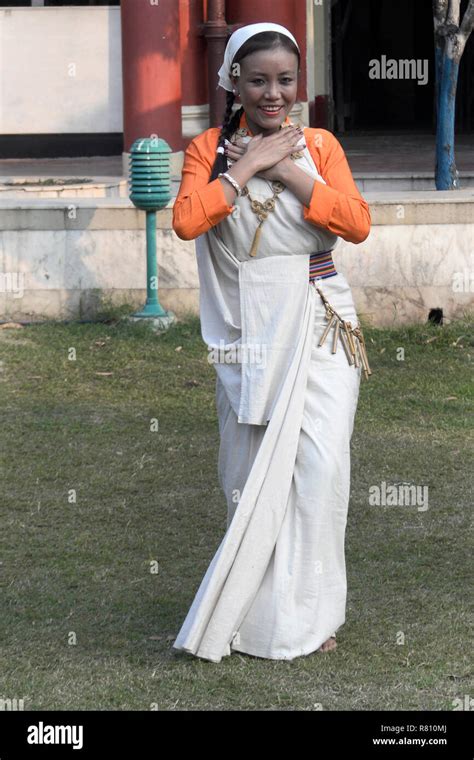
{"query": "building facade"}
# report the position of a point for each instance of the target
(88, 77)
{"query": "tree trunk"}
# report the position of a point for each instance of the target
(450, 41)
(447, 176)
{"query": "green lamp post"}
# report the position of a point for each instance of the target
(150, 190)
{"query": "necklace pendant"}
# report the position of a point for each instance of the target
(253, 250)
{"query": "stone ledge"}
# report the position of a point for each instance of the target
(376, 305)
(66, 303)
(91, 214)
(362, 174)
(398, 208)
(421, 207)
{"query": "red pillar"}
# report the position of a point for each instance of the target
(193, 53)
(151, 71)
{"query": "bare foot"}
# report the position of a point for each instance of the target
(328, 645)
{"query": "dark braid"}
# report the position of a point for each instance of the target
(229, 125)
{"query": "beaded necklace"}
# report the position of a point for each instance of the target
(263, 209)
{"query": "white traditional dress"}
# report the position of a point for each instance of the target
(276, 586)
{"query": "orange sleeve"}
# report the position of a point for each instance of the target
(337, 206)
(200, 204)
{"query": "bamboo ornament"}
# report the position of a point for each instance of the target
(326, 331)
(352, 338)
(336, 336)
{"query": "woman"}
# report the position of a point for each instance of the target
(266, 211)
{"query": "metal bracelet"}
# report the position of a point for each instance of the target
(232, 181)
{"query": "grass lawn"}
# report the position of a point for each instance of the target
(109, 525)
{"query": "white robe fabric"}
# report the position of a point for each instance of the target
(276, 586)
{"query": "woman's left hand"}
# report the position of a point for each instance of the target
(236, 150)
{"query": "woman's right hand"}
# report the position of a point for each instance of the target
(265, 152)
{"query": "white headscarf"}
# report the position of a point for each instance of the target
(235, 42)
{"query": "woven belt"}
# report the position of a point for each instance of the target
(321, 265)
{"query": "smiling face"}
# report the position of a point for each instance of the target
(267, 78)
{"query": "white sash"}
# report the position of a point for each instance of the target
(252, 308)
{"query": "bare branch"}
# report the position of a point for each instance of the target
(467, 24)
(440, 11)
(452, 18)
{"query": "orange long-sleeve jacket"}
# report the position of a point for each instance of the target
(337, 206)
